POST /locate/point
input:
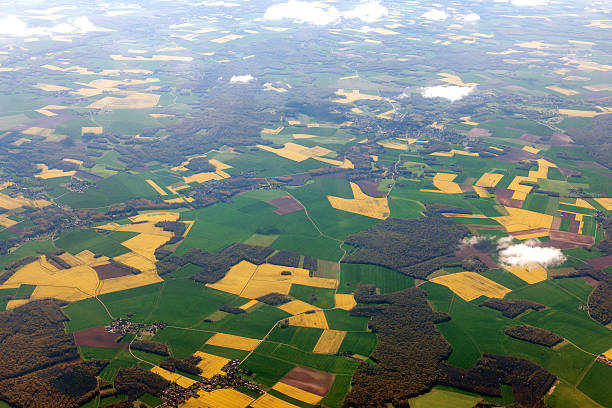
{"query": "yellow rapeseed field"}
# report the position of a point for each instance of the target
(298, 394)
(137, 100)
(221, 398)
(270, 401)
(489, 180)
(210, 364)
(445, 184)
(529, 273)
(235, 342)
(520, 220)
(296, 152)
(470, 285)
(362, 204)
(345, 301)
(297, 306)
(156, 187)
(604, 202)
(96, 130)
(236, 278)
(316, 320)
(329, 342)
(354, 95)
(454, 80)
(531, 149)
(47, 173)
(249, 304)
(173, 377)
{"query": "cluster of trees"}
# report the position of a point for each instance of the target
(400, 244)
(60, 386)
(409, 353)
(11, 268)
(231, 309)
(511, 307)
(605, 245)
(310, 263)
(136, 381)
(124, 267)
(53, 258)
(534, 335)
(274, 299)
(214, 266)
(596, 139)
(176, 227)
(188, 364)
(154, 347)
(285, 258)
(529, 381)
(131, 207)
(32, 337)
(471, 263)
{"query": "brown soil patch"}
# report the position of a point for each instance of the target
(504, 196)
(98, 337)
(560, 139)
(530, 138)
(57, 265)
(574, 226)
(592, 282)
(568, 172)
(371, 188)
(309, 379)
(572, 238)
(556, 223)
(560, 244)
(590, 165)
(109, 271)
(515, 155)
(530, 231)
(478, 133)
(285, 205)
(601, 262)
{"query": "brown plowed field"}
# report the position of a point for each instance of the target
(98, 337)
(311, 380)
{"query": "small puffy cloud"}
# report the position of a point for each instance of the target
(474, 240)
(83, 24)
(14, 26)
(436, 15)
(452, 93)
(241, 79)
(368, 12)
(315, 13)
(470, 18)
(529, 253)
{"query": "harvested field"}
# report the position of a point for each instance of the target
(453, 152)
(354, 95)
(316, 320)
(470, 285)
(329, 342)
(572, 238)
(210, 364)
(345, 301)
(183, 381)
(234, 342)
(309, 379)
(94, 130)
(297, 307)
(362, 204)
(285, 205)
(297, 393)
(98, 337)
(132, 101)
(221, 398)
(529, 273)
(109, 270)
(270, 401)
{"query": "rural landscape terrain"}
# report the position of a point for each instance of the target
(268, 204)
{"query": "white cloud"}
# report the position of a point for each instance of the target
(435, 15)
(452, 93)
(474, 239)
(320, 13)
(241, 79)
(529, 3)
(14, 26)
(316, 12)
(529, 253)
(470, 18)
(368, 12)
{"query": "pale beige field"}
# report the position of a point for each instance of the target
(95, 130)
(156, 187)
(470, 285)
(137, 100)
(296, 152)
(354, 95)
